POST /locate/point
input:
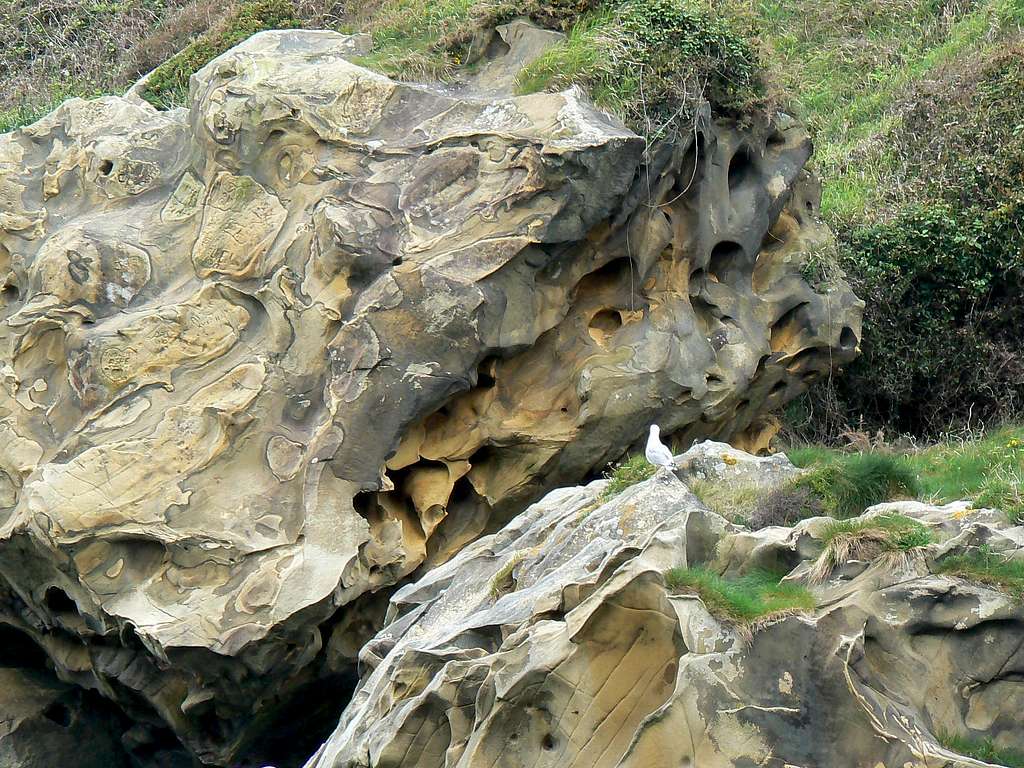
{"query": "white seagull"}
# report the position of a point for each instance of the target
(657, 453)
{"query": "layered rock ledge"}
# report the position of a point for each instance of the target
(266, 357)
(556, 642)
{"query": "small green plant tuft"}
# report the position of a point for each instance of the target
(851, 483)
(746, 602)
(884, 538)
(168, 84)
(984, 750)
(986, 567)
(633, 470)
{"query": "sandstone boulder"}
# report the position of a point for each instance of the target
(555, 642)
(268, 356)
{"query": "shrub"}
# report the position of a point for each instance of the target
(650, 61)
(785, 506)
(986, 567)
(168, 84)
(747, 601)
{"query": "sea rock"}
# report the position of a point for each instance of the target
(268, 356)
(555, 642)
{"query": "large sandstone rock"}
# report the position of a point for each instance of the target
(267, 356)
(555, 642)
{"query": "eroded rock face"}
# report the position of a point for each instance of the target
(555, 642)
(267, 356)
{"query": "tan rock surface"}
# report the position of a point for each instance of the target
(268, 355)
(555, 642)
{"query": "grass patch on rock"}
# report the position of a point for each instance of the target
(503, 582)
(635, 469)
(847, 484)
(986, 567)
(883, 538)
(732, 500)
(651, 61)
(648, 61)
(988, 471)
(984, 750)
(746, 602)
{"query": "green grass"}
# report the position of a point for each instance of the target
(168, 84)
(745, 601)
(408, 37)
(635, 469)
(888, 539)
(848, 484)
(981, 749)
(26, 113)
(986, 567)
(901, 532)
(988, 471)
(847, 62)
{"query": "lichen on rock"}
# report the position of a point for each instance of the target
(269, 355)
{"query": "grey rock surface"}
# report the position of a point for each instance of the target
(555, 642)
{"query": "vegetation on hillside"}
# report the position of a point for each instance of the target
(167, 86)
(919, 134)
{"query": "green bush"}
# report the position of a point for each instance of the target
(168, 84)
(635, 469)
(941, 265)
(942, 324)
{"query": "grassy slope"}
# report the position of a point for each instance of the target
(853, 65)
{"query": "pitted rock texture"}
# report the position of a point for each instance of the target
(267, 356)
(555, 642)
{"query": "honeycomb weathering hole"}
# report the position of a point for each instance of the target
(726, 258)
(741, 166)
(847, 338)
(604, 324)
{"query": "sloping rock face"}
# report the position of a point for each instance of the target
(555, 642)
(267, 356)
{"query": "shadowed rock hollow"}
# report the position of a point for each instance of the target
(267, 356)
